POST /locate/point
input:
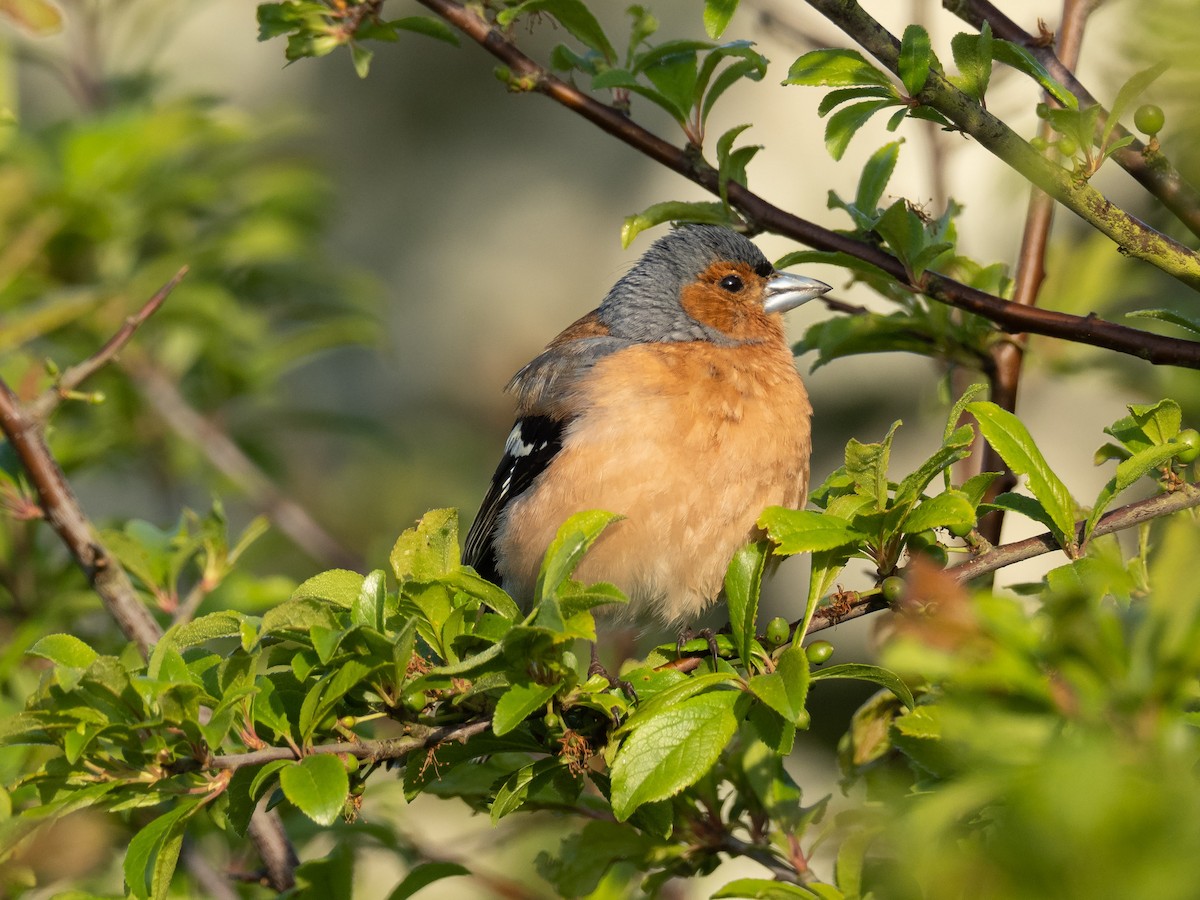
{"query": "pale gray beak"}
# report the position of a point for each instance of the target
(784, 292)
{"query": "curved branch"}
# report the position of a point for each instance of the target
(1009, 316)
(1161, 179)
(69, 380)
(25, 432)
(372, 751)
(1186, 497)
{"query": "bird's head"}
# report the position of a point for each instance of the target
(702, 282)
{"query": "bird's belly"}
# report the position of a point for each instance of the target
(690, 474)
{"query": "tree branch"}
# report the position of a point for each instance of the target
(1161, 179)
(1009, 316)
(72, 378)
(1186, 497)
(1133, 236)
(25, 433)
(371, 751)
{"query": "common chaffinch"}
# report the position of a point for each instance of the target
(675, 403)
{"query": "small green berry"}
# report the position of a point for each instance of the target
(961, 530)
(415, 701)
(1189, 439)
(778, 631)
(920, 540)
(892, 588)
(803, 720)
(819, 652)
(1067, 146)
(1039, 144)
(1149, 119)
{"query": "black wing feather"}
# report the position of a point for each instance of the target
(533, 442)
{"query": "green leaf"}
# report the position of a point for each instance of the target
(1159, 422)
(154, 851)
(424, 875)
(973, 56)
(325, 695)
(956, 446)
(573, 15)
(1128, 472)
(361, 57)
(674, 76)
(845, 123)
(805, 530)
(867, 465)
(575, 536)
(717, 14)
(1022, 60)
(767, 889)
(368, 608)
(225, 623)
(1029, 507)
(317, 786)
(1184, 320)
(875, 177)
(64, 650)
(1129, 92)
(874, 674)
(916, 56)
(338, 586)
(677, 211)
(743, 582)
(835, 68)
(672, 750)
(428, 551)
(949, 509)
(907, 237)
(518, 702)
(1009, 437)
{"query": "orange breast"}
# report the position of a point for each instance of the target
(689, 442)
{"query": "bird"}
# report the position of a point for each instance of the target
(675, 404)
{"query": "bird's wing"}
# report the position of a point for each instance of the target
(531, 445)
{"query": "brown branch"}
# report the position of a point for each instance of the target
(62, 510)
(25, 433)
(41, 408)
(1161, 179)
(371, 751)
(763, 215)
(1008, 357)
(1186, 497)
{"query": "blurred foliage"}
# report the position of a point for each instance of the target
(1030, 746)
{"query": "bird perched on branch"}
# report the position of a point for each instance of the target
(675, 403)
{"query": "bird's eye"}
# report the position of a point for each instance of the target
(732, 283)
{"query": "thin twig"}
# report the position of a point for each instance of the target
(1009, 316)
(108, 578)
(372, 751)
(41, 408)
(1186, 497)
(62, 510)
(1161, 179)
